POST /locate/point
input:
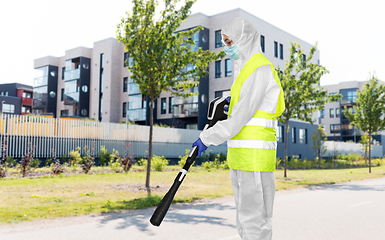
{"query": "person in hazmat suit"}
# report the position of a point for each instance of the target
(255, 103)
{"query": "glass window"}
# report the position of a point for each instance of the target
(263, 43)
(322, 113)
(227, 67)
(280, 51)
(62, 95)
(163, 104)
(331, 112)
(62, 72)
(27, 95)
(218, 69)
(135, 101)
(218, 38)
(332, 93)
(352, 96)
(275, 49)
(303, 59)
(337, 112)
(63, 113)
(125, 59)
(303, 135)
(279, 134)
(193, 126)
(218, 94)
(125, 82)
(124, 109)
(102, 60)
(171, 105)
(6, 93)
(293, 135)
(72, 86)
(334, 128)
(8, 108)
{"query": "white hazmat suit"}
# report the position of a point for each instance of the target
(253, 191)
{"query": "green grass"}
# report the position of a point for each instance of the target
(27, 199)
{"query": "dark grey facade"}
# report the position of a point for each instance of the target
(15, 98)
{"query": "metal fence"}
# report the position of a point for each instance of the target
(65, 135)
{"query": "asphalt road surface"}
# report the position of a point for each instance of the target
(351, 211)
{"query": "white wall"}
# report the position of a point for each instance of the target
(346, 148)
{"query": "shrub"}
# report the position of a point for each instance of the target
(114, 162)
(159, 163)
(128, 159)
(104, 156)
(224, 165)
(27, 162)
(87, 160)
(56, 167)
(207, 165)
(4, 158)
(75, 156)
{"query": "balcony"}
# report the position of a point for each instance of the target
(347, 132)
(72, 74)
(186, 110)
(40, 102)
(40, 81)
(71, 98)
(133, 88)
(137, 115)
(26, 101)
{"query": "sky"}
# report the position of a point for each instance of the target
(350, 34)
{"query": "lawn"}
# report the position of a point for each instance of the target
(27, 199)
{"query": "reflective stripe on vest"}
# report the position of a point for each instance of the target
(254, 147)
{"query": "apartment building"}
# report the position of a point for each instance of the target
(16, 98)
(334, 121)
(94, 82)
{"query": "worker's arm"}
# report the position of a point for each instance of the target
(259, 91)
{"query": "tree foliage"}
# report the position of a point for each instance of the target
(368, 114)
(319, 139)
(300, 81)
(365, 140)
(162, 60)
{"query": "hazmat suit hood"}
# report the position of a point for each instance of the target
(246, 38)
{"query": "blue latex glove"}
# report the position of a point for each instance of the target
(228, 100)
(201, 146)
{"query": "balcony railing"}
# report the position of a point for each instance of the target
(26, 101)
(40, 81)
(40, 102)
(71, 98)
(347, 132)
(72, 74)
(133, 88)
(137, 114)
(186, 110)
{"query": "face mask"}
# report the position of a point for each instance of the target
(232, 52)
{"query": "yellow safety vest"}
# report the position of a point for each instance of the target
(254, 148)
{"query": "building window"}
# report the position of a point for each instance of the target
(26, 110)
(62, 72)
(125, 82)
(293, 135)
(332, 93)
(227, 67)
(337, 112)
(62, 95)
(6, 93)
(303, 59)
(27, 95)
(218, 94)
(334, 128)
(279, 134)
(275, 49)
(281, 51)
(218, 38)
(8, 108)
(124, 109)
(218, 69)
(352, 96)
(322, 113)
(263, 43)
(331, 112)
(303, 135)
(193, 126)
(163, 106)
(171, 105)
(63, 113)
(125, 59)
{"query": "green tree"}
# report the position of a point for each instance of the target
(368, 113)
(365, 145)
(319, 139)
(162, 60)
(300, 83)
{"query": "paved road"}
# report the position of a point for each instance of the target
(351, 211)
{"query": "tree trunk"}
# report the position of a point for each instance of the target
(366, 156)
(370, 165)
(149, 148)
(286, 130)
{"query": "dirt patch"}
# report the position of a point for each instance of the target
(135, 188)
